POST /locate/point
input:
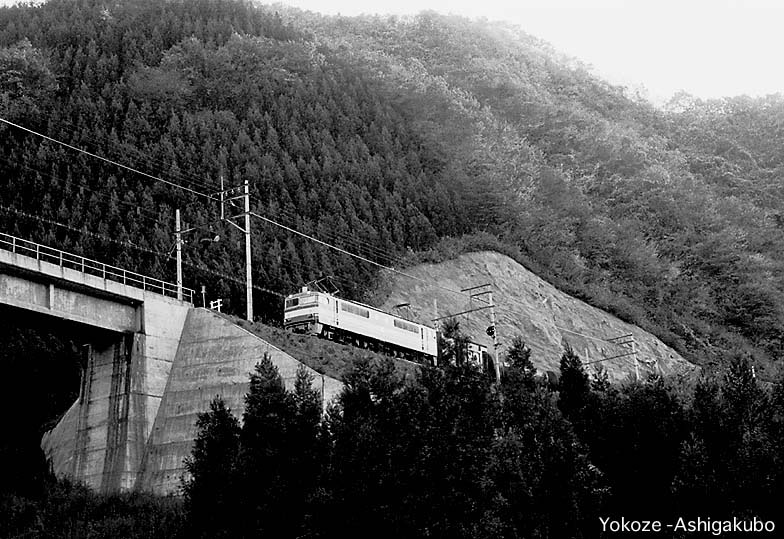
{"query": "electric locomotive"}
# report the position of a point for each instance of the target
(319, 313)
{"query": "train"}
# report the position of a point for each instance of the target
(319, 313)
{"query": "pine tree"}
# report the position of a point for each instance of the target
(573, 388)
(210, 491)
(745, 399)
(305, 443)
(271, 455)
(453, 344)
(520, 368)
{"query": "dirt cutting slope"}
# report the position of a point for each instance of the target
(528, 306)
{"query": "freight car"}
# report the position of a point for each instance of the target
(349, 322)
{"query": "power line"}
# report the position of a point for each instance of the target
(353, 255)
(611, 357)
(253, 214)
(132, 245)
(126, 243)
(129, 151)
(198, 193)
(358, 242)
(126, 151)
(201, 268)
(96, 156)
(229, 278)
(352, 241)
(149, 214)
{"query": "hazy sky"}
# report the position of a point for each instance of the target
(710, 48)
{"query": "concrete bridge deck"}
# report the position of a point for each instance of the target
(57, 265)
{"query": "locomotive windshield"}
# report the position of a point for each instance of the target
(302, 300)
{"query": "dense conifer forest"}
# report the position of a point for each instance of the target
(404, 139)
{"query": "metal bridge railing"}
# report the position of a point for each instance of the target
(91, 267)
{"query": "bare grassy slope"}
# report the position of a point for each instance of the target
(529, 306)
(323, 356)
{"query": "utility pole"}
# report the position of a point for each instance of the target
(245, 230)
(248, 278)
(496, 359)
(222, 198)
(435, 326)
(178, 243)
(178, 240)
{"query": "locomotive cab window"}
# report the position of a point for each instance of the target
(302, 300)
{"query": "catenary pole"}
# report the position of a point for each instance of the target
(496, 359)
(248, 276)
(178, 241)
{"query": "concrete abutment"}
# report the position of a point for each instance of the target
(134, 422)
(150, 365)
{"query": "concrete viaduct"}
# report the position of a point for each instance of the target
(152, 363)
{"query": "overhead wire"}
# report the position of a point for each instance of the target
(128, 243)
(353, 255)
(252, 213)
(145, 213)
(214, 273)
(263, 289)
(612, 357)
(389, 268)
(129, 151)
(353, 242)
(110, 161)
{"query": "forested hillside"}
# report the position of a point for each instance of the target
(386, 136)
(403, 140)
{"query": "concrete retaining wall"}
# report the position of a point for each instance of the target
(215, 358)
(102, 438)
(135, 420)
